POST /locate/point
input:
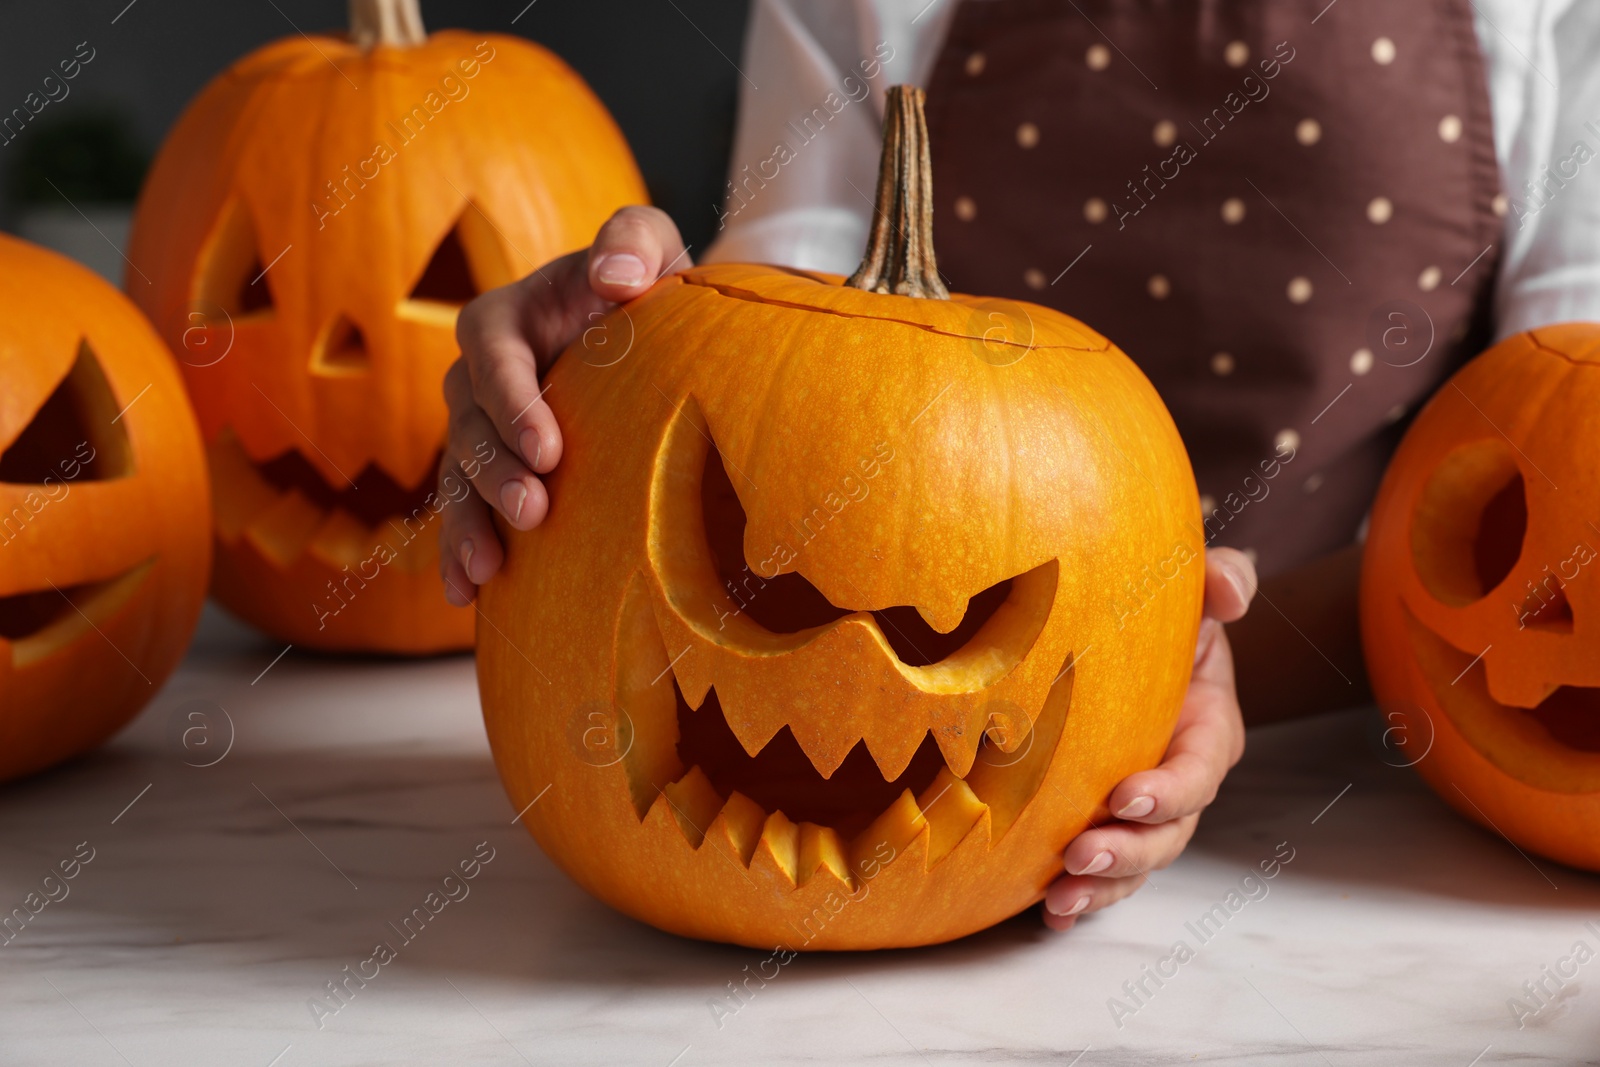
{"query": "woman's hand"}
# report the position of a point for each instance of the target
(509, 337)
(1157, 810)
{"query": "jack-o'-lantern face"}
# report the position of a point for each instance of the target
(104, 550)
(1481, 590)
(311, 229)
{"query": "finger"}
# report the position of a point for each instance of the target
(634, 248)
(1119, 850)
(469, 547)
(1208, 741)
(1230, 583)
(496, 473)
(500, 374)
(1070, 898)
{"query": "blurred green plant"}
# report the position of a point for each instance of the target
(90, 156)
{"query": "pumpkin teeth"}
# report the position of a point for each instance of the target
(285, 524)
(945, 814)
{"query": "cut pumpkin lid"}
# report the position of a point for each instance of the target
(1576, 341)
(992, 321)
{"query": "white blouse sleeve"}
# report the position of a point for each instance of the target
(805, 153)
(1544, 90)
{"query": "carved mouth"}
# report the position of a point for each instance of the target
(40, 622)
(808, 812)
(1553, 745)
(286, 509)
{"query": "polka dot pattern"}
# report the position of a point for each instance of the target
(1243, 274)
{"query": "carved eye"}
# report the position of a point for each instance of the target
(1467, 533)
(76, 435)
(465, 262)
(788, 603)
(233, 275)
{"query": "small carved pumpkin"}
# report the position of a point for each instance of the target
(104, 530)
(854, 602)
(1480, 592)
(307, 235)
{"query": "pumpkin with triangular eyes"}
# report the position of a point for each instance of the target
(306, 237)
(1480, 593)
(105, 544)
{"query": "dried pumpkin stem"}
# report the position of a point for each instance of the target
(396, 23)
(899, 257)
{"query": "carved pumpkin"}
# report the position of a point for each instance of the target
(854, 602)
(308, 233)
(1480, 592)
(104, 540)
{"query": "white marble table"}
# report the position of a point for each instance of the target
(226, 896)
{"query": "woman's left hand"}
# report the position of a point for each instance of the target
(1157, 810)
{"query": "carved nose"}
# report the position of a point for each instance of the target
(341, 350)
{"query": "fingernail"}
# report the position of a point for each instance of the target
(465, 554)
(512, 496)
(620, 268)
(1077, 906)
(1137, 808)
(1100, 862)
(453, 595)
(531, 447)
(1236, 580)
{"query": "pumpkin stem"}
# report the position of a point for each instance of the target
(396, 23)
(899, 257)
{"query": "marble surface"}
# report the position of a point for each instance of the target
(221, 898)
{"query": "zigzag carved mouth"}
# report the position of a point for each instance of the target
(286, 507)
(689, 761)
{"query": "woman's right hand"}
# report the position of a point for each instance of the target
(502, 434)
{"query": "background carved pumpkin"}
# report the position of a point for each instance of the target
(1480, 592)
(306, 237)
(851, 607)
(104, 531)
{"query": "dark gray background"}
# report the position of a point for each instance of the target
(655, 64)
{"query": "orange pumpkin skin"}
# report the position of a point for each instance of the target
(889, 454)
(121, 527)
(393, 183)
(1480, 598)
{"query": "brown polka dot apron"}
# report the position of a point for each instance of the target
(1286, 213)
